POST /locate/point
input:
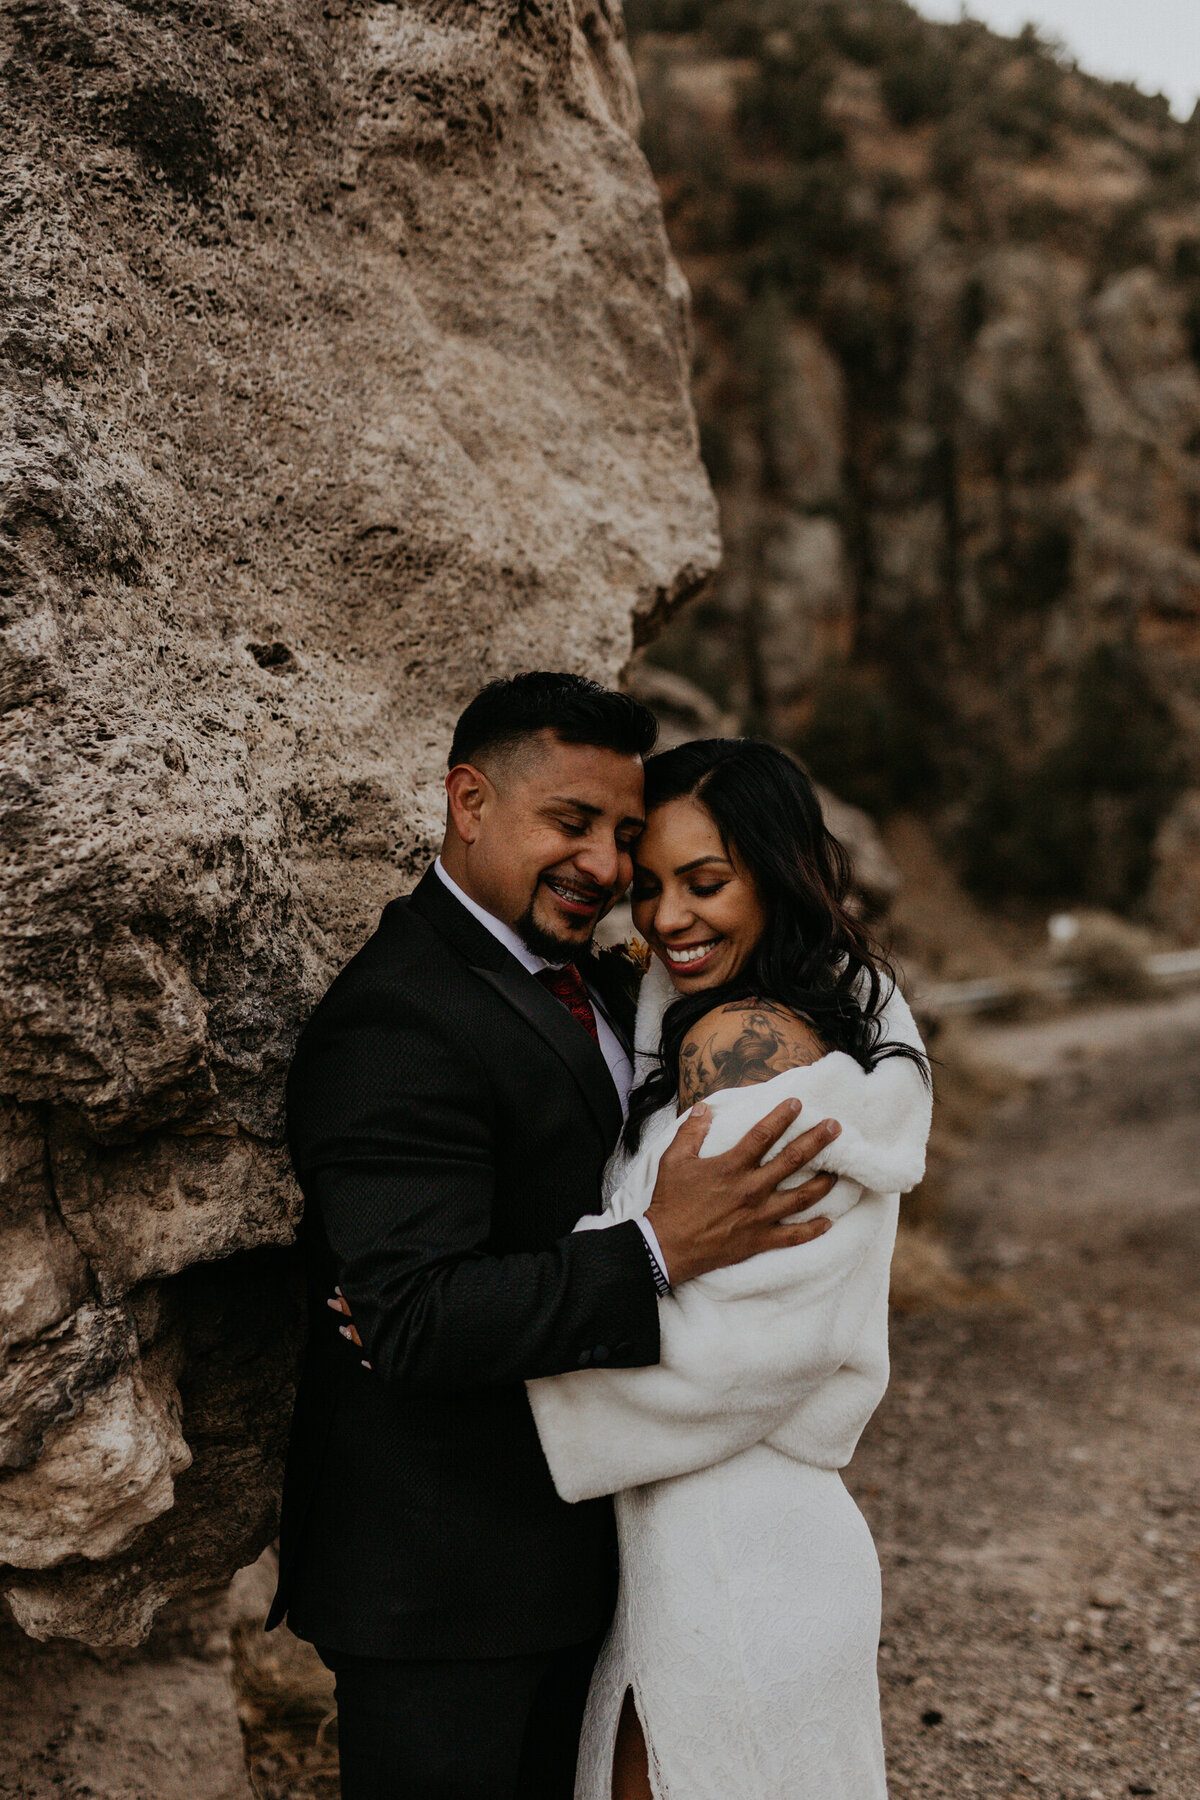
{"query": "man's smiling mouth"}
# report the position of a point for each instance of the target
(582, 901)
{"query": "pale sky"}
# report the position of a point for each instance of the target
(1153, 42)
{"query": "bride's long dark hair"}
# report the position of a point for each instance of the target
(814, 956)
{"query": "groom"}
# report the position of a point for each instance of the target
(451, 1107)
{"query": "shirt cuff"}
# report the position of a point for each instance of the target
(662, 1279)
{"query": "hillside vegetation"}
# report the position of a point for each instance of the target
(947, 313)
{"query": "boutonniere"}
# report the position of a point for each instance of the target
(626, 963)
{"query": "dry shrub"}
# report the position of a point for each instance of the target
(965, 1089)
(1031, 998)
(925, 1280)
(280, 1677)
(1108, 957)
(285, 1699)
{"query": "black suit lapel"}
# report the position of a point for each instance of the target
(434, 901)
(548, 1016)
(565, 1035)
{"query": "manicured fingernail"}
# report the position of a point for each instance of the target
(366, 1364)
(337, 1290)
(344, 1331)
(335, 1304)
(701, 1110)
(832, 1129)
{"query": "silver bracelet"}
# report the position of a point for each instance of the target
(661, 1284)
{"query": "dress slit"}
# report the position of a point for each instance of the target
(629, 1695)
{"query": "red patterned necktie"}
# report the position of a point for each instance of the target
(568, 985)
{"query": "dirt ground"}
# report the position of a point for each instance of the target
(1032, 1475)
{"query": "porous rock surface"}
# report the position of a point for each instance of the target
(344, 366)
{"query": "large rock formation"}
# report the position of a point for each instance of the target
(947, 301)
(344, 367)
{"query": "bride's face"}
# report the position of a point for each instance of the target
(694, 903)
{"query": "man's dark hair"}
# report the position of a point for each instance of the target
(575, 709)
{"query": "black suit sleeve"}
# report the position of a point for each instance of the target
(391, 1130)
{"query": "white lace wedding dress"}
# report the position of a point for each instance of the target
(747, 1622)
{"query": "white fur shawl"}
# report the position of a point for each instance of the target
(789, 1348)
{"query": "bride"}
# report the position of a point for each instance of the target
(741, 1661)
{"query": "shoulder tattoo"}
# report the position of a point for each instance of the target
(740, 1045)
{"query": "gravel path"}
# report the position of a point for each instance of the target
(1032, 1478)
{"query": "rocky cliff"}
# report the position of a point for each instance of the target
(344, 366)
(947, 303)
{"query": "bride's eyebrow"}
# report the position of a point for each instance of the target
(699, 862)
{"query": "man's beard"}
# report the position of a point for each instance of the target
(544, 943)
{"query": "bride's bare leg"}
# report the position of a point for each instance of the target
(631, 1766)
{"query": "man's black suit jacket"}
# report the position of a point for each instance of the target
(449, 1122)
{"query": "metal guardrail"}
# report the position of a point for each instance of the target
(1167, 969)
(1175, 966)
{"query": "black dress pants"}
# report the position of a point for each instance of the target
(504, 1728)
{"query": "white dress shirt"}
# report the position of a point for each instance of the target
(611, 1047)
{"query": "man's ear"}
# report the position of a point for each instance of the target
(466, 791)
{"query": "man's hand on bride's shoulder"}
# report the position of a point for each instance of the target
(709, 1212)
(741, 1044)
